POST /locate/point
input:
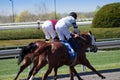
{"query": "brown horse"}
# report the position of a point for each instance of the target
(57, 55)
(27, 56)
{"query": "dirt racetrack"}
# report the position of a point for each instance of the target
(111, 74)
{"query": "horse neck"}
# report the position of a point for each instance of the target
(83, 45)
(85, 40)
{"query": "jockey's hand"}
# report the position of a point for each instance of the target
(76, 30)
(74, 35)
(38, 27)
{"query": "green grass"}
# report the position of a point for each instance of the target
(100, 60)
(21, 34)
(107, 59)
(6, 43)
(100, 33)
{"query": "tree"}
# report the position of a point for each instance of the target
(97, 9)
(53, 16)
(108, 16)
(24, 16)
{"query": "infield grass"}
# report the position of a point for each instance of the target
(100, 60)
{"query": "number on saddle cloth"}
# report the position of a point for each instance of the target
(71, 52)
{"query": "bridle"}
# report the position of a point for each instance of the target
(88, 40)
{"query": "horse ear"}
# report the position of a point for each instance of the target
(31, 44)
(90, 32)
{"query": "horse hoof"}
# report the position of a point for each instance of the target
(103, 77)
(81, 79)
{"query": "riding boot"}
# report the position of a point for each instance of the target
(56, 38)
(73, 44)
(46, 39)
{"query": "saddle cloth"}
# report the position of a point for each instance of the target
(71, 52)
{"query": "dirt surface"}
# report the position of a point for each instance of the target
(111, 74)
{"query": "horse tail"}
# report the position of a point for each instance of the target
(26, 50)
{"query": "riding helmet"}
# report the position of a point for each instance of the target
(73, 14)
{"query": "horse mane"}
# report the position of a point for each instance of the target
(26, 50)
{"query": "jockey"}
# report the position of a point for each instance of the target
(62, 29)
(48, 28)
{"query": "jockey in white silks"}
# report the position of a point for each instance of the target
(48, 28)
(62, 28)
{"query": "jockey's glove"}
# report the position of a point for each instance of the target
(76, 30)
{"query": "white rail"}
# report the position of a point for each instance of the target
(9, 53)
(14, 52)
(30, 25)
(108, 44)
(100, 45)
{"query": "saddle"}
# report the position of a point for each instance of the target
(71, 52)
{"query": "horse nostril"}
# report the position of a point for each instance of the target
(93, 49)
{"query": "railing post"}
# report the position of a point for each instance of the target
(83, 68)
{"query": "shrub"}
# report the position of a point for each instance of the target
(21, 34)
(107, 16)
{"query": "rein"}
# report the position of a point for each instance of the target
(83, 39)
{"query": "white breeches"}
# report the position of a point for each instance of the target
(62, 30)
(48, 30)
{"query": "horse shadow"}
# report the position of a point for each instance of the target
(81, 73)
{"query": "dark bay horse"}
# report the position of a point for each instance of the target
(57, 55)
(27, 57)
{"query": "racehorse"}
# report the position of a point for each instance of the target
(57, 55)
(26, 56)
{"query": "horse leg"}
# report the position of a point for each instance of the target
(55, 73)
(35, 62)
(38, 62)
(47, 72)
(22, 68)
(71, 73)
(30, 77)
(87, 63)
(38, 67)
(72, 69)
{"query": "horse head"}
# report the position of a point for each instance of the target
(87, 40)
(25, 50)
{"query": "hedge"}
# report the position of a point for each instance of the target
(108, 16)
